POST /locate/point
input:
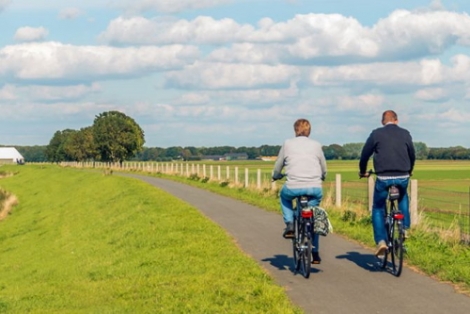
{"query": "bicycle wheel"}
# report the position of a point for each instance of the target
(296, 246)
(306, 251)
(397, 247)
(383, 259)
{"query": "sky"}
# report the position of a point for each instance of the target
(208, 73)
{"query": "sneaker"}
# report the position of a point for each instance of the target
(289, 231)
(316, 258)
(381, 249)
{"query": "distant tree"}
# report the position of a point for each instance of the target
(269, 150)
(421, 150)
(117, 136)
(352, 150)
(333, 151)
(252, 152)
(55, 151)
(174, 152)
(80, 146)
(35, 153)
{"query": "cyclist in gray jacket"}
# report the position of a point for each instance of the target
(305, 168)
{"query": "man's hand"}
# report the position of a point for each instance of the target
(277, 176)
(364, 175)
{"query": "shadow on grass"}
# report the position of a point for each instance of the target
(284, 262)
(367, 261)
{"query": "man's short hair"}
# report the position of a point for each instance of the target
(389, 116)
(302, 127)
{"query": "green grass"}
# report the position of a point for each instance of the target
(83, 242)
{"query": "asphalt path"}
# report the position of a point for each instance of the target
(347, 281)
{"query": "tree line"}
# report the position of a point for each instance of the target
(116, 137)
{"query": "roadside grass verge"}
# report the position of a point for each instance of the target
(83, 242)
(428, 251)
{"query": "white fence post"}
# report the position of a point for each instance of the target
(414, 203)
(246, 177)
(338, 190)
(258, 179)
(236, 175)
(371, 184)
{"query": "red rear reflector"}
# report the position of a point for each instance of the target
(307, 213)
(399, 216)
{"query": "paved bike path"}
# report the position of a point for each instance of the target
(347, 280)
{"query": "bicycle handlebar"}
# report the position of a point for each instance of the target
(367, 174)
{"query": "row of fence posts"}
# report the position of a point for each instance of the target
(201, 170)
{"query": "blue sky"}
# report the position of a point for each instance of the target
(236, 72)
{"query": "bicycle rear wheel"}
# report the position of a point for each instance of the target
(305, 252)
(396, 251)
(383, 260)
(296, 246)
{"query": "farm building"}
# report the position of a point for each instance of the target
(9, 155)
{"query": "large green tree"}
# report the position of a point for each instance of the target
(80, 146)
(117, 137)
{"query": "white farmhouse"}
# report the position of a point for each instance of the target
(9, 155)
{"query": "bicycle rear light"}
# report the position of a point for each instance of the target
(398, 216)
(307, 213)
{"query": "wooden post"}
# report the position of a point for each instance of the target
(371, 185)
(414, 215)
(338, 190)
(218, 173)
(246, 177)
(236, 175)
(258, 179)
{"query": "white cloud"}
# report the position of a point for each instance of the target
(232, 76)
(37, 93)
(52, 61)
(7, 92)
(364, 103)
(24, 34)
(317, 38)
(4, 4)
(69, 13)
(431, 94)
(170, 6)
(201, 30)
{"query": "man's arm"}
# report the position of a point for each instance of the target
(367, 151)
(411, 154)
(279, 164)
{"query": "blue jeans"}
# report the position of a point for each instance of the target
(288, 195)
(378, 208)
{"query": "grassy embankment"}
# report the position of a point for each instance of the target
(83, 242)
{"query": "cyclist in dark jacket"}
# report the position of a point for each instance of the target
(394, 158)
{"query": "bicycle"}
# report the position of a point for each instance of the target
(303, 235)
(395, 231)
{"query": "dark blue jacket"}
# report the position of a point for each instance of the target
(393, 150)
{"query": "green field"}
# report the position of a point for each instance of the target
(80, 241)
